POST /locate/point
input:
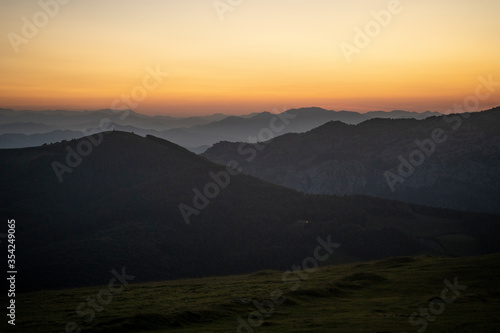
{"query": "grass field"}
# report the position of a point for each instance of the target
(378, 296)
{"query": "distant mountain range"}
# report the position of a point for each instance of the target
(20, 129)
(444, 161)
(84, 207)
(77, 121)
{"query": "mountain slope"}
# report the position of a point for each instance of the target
(14, 140)
(119, 207)
(380, 296)
(291, 121)
(74, 120)
(190, 132)
(454, 160)
(25, 128)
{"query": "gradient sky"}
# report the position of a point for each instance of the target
(265, 54)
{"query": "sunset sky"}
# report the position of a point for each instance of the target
(264, 54)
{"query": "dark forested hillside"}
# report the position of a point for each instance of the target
(85, 207)
(448, 161)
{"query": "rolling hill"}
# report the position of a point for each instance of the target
(295, 121)
(78, 121)
(447, 161)
(122, 200)
(393, 295)
(18, 129)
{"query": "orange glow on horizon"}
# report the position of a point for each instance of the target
(261, 57)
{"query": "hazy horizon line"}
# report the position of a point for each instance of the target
(175, 115)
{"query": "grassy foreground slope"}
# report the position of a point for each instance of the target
(377, 296)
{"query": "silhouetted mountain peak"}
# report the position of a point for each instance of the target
(265, 114)
(120, 140)
(309, 110)
(456, 152)
(334, 124)
(126, 200)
